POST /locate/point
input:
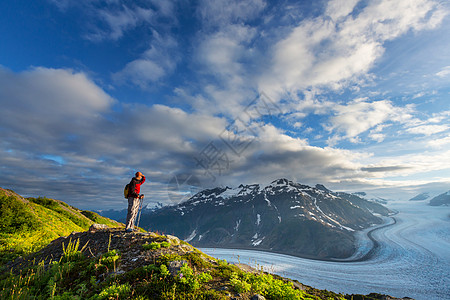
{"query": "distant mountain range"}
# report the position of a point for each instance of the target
(442, 199)
(284, 217)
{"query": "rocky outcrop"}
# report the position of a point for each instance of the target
(96, 227)
(97, 242)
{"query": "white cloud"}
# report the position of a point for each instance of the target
(444, 72)
(415, 164)
(359, 116)
(221, 52)
(224, 78)
(428, 129)
(329, 52)
(337, 9)
(439, 143)
(154, 64)
(376, 133)
(439, 117)
(50, 96)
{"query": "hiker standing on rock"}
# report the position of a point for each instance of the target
(134, 199)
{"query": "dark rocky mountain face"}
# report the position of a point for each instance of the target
(283, 217)
(442, 199)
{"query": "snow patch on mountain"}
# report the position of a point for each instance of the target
(258, 242)
(236, 228)
(191, 236)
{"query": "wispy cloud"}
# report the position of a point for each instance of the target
(428, 129)
(444, 72)
(335, 50)
(119, 21)
(153, 65)
(224, 12)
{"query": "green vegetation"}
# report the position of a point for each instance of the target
(15, 216)
(114, 265)
(156, 245)
(76, 276)
(30, 224)
(190, 280)
(266, 284)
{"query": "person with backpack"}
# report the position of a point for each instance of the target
(134, 188)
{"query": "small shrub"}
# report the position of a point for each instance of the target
(240, 286)
(224, 270)
(197, 260)
(164, 244)
(71, 252)
(14, 216)
(44, 201)
(163, 270)
(109, 259)
(114, 292)
(222, 262)
(266, 285)
(91, 215)
(165, 258)
(151, 268)
(191, 281)
(151, 246)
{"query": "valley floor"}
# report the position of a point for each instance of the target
(412, 259)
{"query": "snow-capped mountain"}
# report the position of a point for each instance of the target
(283, 216)
(442, 199)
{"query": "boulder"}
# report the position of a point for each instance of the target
(94, 227)
(175, 266)
(173, 239)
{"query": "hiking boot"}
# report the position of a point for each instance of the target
(129, 230)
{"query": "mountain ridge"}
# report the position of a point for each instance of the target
(283, 217)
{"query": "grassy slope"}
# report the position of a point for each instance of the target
(30, 224)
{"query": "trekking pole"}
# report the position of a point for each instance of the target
(140, 210)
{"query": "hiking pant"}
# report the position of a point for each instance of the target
(133, 208)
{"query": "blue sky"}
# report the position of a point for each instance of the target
(350, 94)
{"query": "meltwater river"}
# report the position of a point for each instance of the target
(412, 259)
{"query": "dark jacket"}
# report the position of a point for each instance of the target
(135, 187)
